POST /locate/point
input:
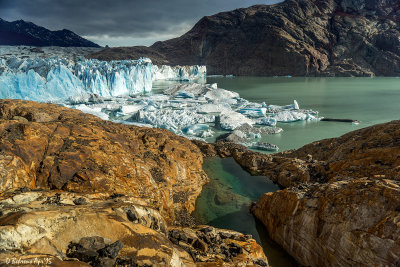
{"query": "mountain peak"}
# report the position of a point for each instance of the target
(21, 32)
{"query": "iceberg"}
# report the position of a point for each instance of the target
(199, 130)
(97, 111)
(264, 146)
(292, 116)
(232, 120)
(184, 110)
(214, 108)
(253, 112)
(268, 121)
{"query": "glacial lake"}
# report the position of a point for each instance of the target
(369, 100)
(225, 200)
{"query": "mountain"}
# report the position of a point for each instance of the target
(27, 33)
(295, 37)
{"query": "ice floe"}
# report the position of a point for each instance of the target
(185, 110)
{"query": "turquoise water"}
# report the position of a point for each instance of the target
(224, 203)
(369, 100)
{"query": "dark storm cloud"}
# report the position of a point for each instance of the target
(119, 21)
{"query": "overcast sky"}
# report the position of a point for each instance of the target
(119, 22)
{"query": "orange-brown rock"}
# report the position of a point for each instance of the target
(345, 209)
(47, 222)
(353, 222)
(69, 229)
(51, 147)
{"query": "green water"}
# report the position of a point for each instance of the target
(225, 200)
(369, 100)
(224, 203)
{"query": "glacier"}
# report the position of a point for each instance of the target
(179, 73)
(55, 79)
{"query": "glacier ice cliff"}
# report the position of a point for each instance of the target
(56, 79)
(179, 73)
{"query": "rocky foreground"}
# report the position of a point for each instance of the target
(75, 189)
(341, 205)
(295, 37)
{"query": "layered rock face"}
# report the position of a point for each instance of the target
(349, 222)
(77, 190)
(296, 37)
(341, 205)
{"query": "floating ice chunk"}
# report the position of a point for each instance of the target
(253, 112)
(220, 94)
(264, 146)
(85, 98)
(251, 130)
(232, 120)
(246, 132)
(296, 105)
(127, 109)
(97, 111)
(214, 108)
(291, 116)
(268, 121)
(199, 130)
(194, 88)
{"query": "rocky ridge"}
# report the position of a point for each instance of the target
(75, 188)
(295, 37)
(342, 197)
(27, 33)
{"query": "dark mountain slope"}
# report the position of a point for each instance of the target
(296, 37)
(26, 33)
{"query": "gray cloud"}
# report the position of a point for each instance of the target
(119, 22)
